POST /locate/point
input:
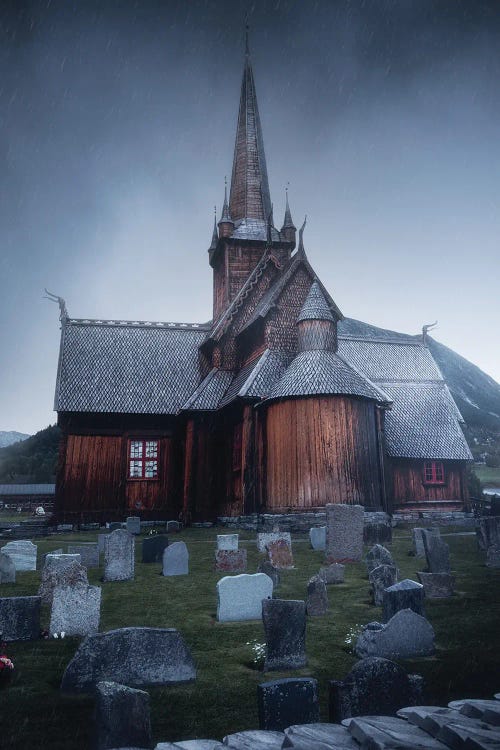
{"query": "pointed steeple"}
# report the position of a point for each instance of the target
(288, 229)
(215, 233)
(226, 224)
(249, 195)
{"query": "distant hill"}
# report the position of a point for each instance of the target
(8, 438)
(32, 460)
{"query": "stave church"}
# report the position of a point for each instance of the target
(279, 404)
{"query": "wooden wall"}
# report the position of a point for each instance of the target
(408, 487)
(321, 450)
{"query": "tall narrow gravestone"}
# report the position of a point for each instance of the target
(153, 548)
(344, 532)
(285, 628)
(7, 569)
(437, 553)
(176, 560)
(119, 556)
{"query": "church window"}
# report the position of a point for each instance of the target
(434, 472)
(143, 459)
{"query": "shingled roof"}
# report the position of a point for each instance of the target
(127, 366)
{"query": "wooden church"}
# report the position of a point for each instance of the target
(278, 404)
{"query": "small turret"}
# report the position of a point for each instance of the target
(288, 230)
(226, 224)
(317, 325)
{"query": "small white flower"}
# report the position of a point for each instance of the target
(55, 635)
(62, 633)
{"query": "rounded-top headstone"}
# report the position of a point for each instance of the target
(240, 597)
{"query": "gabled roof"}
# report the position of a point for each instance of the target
(256, 378)
(127, 366)
(390, 360)
(210, 392)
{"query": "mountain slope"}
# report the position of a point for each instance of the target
(31, 460)
(10, 437)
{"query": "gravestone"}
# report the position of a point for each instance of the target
(153, 548)
(20, 618)
(133, 656)
(176, 559)
(122, 717)
(119, 560)
(173, 526)
(265, 537)
(101, 541)
(317, 597)
(252, 739)
(437, 585)
(405, 635)
(418, 540)
(285, 628)
(437, 553)
(231, 561)
(266, 567)
(376, 556)
(319, 736)
(488, 531)
(22, 552)
(88, 551)
(240, 597)
(373, 687)
(280, 554)
(133, 525)
(7, 569)
(114, 525)
(317, 537)
(227, 541)
(58, 570)
(381, 578)
(287, 701)
(58, 551)
(344, 532)
(64, 527)
(493, 556)
(76, 610)
(406, 594)
(377, 532)
(332, 574)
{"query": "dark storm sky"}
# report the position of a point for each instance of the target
(117, 123)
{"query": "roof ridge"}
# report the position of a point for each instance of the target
(136, 323)
(380, 339)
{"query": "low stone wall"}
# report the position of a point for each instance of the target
(293, 522)
(436, 518)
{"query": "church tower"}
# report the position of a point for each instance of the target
(245, 229)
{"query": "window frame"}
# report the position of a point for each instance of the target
(433, 474)
(143, 459)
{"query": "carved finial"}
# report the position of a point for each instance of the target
(63, 311)
(426, 329)
(301, 233)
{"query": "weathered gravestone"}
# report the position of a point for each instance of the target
(373, 687)
(119, 562)
(227, 541)
(406, 594)
(381, 578)
(488, 531)
(266, 567)
(319, 736)
(7, 569)
(285, 628)
(114, 525)
(101, 541)
(252, 739)
(22, 552)
(317, 597)
(60, 569)
(344, 532)
(418, 540)
(437, 585)
(173, 526)
(231, 561)
(265, 537)
(376, 556)
(280, 554)
(493, 556)
(58, 551)
(20, 618)
(332, 574)
(176, 560)
(379, 532)
(191, 745)
(437, 553)
(404, 636)
(240, 597)
(88, 551)
(133, 525)
(317, 537)
(122, 717)
(64, 527)
(133, 656)
(153, 548)
(287, 701)
(76, 610)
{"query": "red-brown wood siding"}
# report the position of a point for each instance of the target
(408, 486)
(322, 450)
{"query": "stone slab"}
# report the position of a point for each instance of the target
(176, 560)
(377, 532)
(405, 635)
(88, 551)
(437, 553)
(285, 629)
(280, 554)
(264, 538)
(101, 541)
(119, 560)
(437, 585)
(319, 736)
(240, 597)
(382, 578)
(7, 569)
(418, 541)
(22, 552)
(231, 561)
(406, 594)
(254, 739)
(60, 569)
(344, 532)
(381, 733)
(317, 597)
(378, 555)
(317, 538)
(134, 656)
(332, 574)
(122, 716)
(153, 547)
(488, 531)
(281, 702)
(268, 568)
(20, 618)
(76, 610)
(133, 525)
(227, 541)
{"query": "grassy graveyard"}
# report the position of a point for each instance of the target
(33, 712)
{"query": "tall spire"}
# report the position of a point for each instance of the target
(249, 196)
(215, 233)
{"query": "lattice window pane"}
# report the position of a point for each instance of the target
(135, 469)
(151, 469)
(151, 449)
(136, 449)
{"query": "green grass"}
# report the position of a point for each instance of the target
(489, 475)
(223, 698)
